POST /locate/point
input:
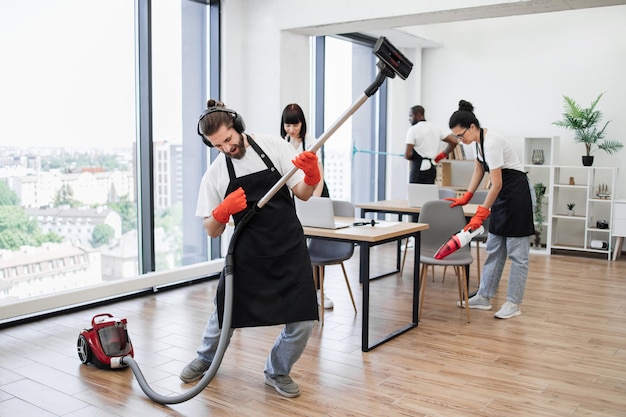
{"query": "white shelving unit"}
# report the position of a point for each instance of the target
(583, 186)
(538, 160)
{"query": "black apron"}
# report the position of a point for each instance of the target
(421, 177)
(512, 212)
(273, 276)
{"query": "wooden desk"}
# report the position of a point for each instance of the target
(401, 208)
(367, 237)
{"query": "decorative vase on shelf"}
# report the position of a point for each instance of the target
(537, 157)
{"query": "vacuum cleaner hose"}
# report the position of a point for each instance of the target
(222, 344)
(391, 62)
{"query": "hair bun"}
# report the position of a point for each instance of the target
(214, 103)
(466, 106)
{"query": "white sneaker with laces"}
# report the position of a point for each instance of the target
(328, 303)
(508, 310)
(477, 302)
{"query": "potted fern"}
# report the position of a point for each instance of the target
(585, 122)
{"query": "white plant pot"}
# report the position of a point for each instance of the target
(570, 212)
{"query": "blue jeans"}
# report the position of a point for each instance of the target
(498, 248)
(286, 350)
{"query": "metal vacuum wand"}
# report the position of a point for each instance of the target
(391, 62)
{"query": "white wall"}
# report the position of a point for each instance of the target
(515, 71)
(263, 68)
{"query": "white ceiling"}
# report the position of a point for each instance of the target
(398, 27)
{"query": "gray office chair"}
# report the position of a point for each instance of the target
(326, 252)
(443, 193)
(478, 198)
(443, 222)
(446, 193)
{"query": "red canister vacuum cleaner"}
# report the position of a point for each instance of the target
(107, 343)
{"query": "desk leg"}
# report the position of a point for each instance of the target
(618, 247)
(416, 277)
(364, 274)
(364, 257)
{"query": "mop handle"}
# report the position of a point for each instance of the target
(325, 136)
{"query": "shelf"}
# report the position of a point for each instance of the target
(569, 232)
(568, 247)
(595, 229)
(577, 186)
(565, 216)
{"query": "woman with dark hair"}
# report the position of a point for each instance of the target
(293, 130)
(508, 202)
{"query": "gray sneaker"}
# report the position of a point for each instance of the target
(194, 370)
(508, 310)
(478, 302)
(283, 384)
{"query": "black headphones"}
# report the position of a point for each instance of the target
(238, 122)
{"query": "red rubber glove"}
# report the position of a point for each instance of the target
(307, 162)
(461, 201)
(232, 204)
(478, 219)
(440, 156)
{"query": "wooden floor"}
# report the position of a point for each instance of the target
(565, 356)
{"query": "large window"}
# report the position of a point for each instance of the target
(353, 169)
(73, 92)
(179, 63)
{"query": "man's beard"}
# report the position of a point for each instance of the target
(240, 147)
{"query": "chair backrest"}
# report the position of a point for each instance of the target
(327, 251)
(443, 223)
(479, 196)
(446, 193)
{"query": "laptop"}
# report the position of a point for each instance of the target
(318, 212)
(418, 194)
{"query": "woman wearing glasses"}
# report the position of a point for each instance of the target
(509, 206)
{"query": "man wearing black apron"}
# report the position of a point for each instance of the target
(423, 140)
(509, 203)
(273, 277)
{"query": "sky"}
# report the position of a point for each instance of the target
(68, 73)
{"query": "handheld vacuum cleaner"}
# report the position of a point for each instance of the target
(457, 241)
(107, 344)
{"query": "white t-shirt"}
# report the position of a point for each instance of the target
(426, 138)
(215, 180)
(499, 152)
(308, 141)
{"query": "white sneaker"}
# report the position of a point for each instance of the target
(328, 303)
(508, 310)
(477, 302)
